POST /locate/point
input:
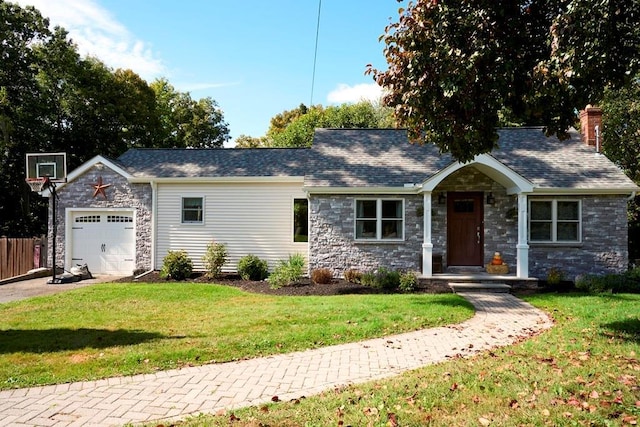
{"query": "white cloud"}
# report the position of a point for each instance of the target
(361, 92)
(97, 33)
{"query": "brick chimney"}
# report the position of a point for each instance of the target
(591, 126)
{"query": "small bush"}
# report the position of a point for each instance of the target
(176, 266)
(214, 258)
(322, 276)
(353, 276)
(555, 276)
(386, 279)
(408, 281)
(250, 267)
(368, 278)
(628, 282)
(287, 272)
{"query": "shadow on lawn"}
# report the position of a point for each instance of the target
(628, 329)
(51, 340)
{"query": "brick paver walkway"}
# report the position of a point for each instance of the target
(500, 319)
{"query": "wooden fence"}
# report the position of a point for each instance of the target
(18, 256)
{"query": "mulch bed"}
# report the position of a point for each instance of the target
(302, 288)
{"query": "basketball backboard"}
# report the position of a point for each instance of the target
(50, 165)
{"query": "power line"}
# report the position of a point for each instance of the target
(315, 53)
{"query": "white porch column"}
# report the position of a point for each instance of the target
(522, 270)
(427, 246)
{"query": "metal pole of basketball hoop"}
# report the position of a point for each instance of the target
(52, 188)
(38, 185)
(43, 171)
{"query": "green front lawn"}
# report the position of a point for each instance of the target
(583, 372)
(123, 329)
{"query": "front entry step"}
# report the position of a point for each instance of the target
(458, 287)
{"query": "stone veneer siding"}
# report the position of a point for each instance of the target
(121, 194)
(332, 242)
(332, 224)
(604, 247)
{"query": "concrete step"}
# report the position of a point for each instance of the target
(458, 287)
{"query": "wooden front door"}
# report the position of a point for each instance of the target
(465, 229)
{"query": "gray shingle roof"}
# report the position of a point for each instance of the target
(385, 157)
(370, 158)
(215, 163)
(550, 163)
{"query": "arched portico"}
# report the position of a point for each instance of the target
(514, 184)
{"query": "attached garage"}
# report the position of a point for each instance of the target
(104, 240)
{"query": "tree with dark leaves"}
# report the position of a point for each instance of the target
(456, 68)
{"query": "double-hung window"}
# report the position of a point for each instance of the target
(379, 219)
(192, 210)
(555, 221)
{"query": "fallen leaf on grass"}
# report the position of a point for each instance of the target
(370, 411)
(483, 421)
(392, 421)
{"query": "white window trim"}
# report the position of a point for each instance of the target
(554, 222)
(379, 219)
(182, 221)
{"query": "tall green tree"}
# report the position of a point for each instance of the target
(52, 99)
(20, 103)
(454, 66)
(298, 132)
(621, 136)
(187, 123)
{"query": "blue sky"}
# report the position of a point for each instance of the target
(254, 58)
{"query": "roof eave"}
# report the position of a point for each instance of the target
(361, 190)
(549, 191)
(216, 179)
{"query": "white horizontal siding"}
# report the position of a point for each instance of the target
(252, 218)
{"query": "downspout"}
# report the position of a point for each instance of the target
(597, 132)
(154, 210)
(632, 196)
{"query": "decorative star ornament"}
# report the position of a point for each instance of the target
(98, 188)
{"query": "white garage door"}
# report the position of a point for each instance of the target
(105, 241)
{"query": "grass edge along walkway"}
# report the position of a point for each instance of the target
(501, 319)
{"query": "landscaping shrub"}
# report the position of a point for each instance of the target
(382, 278)
(214, 258)
(368, 278)
(628, 282)
(287, 272)
(353, 276)
(555, 276)
(386, 279)
(176, 266)
(322, 276)
(250, 267)
(408, 281)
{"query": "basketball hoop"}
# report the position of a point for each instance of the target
(37, 184)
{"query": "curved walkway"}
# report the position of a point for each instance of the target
(500, 319)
